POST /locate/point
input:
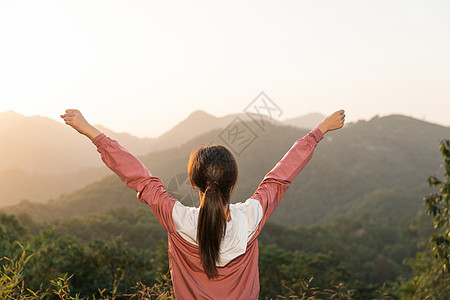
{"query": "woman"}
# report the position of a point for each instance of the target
(213, 249)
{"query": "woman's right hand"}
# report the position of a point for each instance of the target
(75, 119)
(332, 122)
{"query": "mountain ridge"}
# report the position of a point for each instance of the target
(384, 160)
(38, 138)
(55, 159)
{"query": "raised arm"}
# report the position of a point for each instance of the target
(277, 181)
(130, 170)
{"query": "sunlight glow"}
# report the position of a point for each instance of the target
(142, 66)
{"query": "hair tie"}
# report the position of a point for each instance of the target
(213, 184)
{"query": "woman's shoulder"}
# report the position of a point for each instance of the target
(251, 209)
(184, 212)
(249, 204)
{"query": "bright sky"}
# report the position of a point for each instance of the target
(143, 66)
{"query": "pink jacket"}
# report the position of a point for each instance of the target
(238, 267)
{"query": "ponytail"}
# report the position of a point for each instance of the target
(211, 228)
(213, 170)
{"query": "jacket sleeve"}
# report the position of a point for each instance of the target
(277, 181)
(135, 175)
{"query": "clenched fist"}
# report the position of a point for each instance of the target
(332, 122)
(75, 119)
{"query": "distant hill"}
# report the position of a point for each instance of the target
(308, 121)
(197, 123)
(39, 144)
(140, 146)
(378, 167)
(17, 185)
(42, 145)
(42, 158)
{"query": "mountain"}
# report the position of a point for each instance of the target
(377, 167)
(17, 185)
(139, 146)
(42, 145)
(200, 122)
(197, 123)
(308, 121)
(42, 158)
(39, 144)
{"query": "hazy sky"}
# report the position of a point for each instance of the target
(142, 66)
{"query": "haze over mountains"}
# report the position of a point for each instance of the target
(42, 158)
(377, 167)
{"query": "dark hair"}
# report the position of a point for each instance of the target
(213, 170)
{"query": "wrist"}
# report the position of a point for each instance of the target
(91, 132)
(322, 128)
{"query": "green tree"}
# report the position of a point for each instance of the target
(431, 278)
(11, 231)
(428, 282)
(437, 206)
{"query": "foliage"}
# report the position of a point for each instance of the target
(307, 291)
(11, 277)
(138, 228)
(438, 206)
(161, 290)
(11, 231)
(282, 272)
(61, 288)
(12, 285)
(98, 266)
(356, 252)
(431, 275)
(372, 253)
(428, 282)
